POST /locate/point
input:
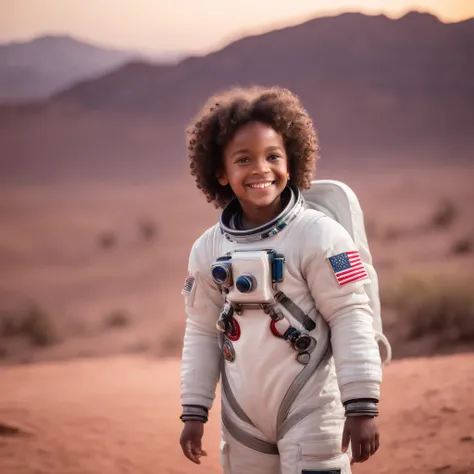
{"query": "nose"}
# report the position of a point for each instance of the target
(261, 166)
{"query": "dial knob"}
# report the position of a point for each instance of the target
(304, 343)
(221, 273)
(245, 283)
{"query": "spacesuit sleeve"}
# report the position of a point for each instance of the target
(341, 299)
(201, 357)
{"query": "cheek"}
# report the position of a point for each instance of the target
(285, 166)
(237, 174)
(285, 170)
(236, 179)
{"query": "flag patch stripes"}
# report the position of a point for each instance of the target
(188, 284)
(348, 267)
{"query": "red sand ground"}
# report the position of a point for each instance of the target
(120, 415)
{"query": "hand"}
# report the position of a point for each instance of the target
(363, 433)
(190, 440)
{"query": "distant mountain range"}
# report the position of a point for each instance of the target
(38, 68)
(382, 92)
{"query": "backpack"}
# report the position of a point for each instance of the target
(339, 202)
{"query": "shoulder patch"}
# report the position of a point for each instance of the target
(348, 267)
(189, 290)
(188, 285)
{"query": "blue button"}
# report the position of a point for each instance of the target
(245, 283)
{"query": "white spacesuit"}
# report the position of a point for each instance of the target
(282, 391)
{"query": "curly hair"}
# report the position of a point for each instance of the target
(224, 113)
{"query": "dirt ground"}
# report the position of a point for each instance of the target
(120, 415)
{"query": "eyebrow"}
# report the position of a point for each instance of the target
(246, 150)
(242, 150)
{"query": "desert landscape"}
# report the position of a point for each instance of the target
(98, 214)
(98, 269)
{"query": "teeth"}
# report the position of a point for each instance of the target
(260, 185)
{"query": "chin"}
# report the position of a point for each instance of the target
(263, 203)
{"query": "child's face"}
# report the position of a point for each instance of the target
(255, 166)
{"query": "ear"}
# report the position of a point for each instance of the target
(222, 178)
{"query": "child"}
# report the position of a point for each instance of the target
(271, 311)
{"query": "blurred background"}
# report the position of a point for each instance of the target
(97, 208)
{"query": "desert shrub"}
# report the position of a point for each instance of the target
(148, 229)
(392, 233)
(32, 322)
(171, 344)
(117, 319)
(9, 325)
(107, 240)
(444, 215)
(433, 305)
(38, 326)
(462, 246)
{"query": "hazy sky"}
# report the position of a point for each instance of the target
(191, 25)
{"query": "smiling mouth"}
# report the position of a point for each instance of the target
(264, 185)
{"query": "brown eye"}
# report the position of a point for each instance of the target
(274, 157)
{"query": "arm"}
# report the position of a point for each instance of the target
(201, 356)
(345, 307)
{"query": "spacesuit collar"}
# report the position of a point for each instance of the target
(294, 205)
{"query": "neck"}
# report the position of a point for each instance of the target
(256, 217)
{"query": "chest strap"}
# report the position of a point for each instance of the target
(295, 311)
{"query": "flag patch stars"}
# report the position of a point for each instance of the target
(348, 267)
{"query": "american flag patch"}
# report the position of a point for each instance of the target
(188, 285)
(348, 267)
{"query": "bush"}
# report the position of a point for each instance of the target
(392, 233)
(9, 325)
(117, 319)
(33, 322)
(37, 325)
(171, 344)
(148, 229)
(107, 240)
(434, 305)
(445, 215)
(462, 246)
